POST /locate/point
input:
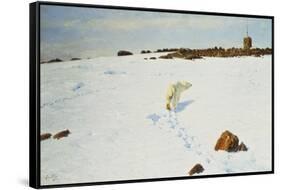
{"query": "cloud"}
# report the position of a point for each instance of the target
(131, 21)
(71, 23)
(158, 22)
(84, 47)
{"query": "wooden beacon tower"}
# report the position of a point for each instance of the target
(247, 41)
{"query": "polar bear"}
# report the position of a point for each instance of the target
(173, 93)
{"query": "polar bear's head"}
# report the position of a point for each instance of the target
(184, 85)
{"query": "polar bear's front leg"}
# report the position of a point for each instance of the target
(169, 96)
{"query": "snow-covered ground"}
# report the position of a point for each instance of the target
(114, 108)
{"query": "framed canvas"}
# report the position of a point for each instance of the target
(126, 94)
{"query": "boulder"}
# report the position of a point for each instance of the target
(54, 60)
(242, 147)
(152, 58)
(124, 53)
(75, 59)
(45, 136)
(198, 168)
(145, 51)
(61, 134)
(228, 142)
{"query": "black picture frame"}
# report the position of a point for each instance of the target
(34, 92)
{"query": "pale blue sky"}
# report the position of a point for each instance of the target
(90, 32)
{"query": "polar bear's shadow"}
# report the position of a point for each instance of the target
(182, 105)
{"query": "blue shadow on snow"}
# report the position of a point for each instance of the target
(182, 105)
(154, 117)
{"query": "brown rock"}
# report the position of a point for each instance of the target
(198, 168)
(228, 142)
(45, 136)
(61, 134)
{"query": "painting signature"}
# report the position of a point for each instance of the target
(51, 177)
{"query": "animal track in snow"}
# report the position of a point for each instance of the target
(168, 121)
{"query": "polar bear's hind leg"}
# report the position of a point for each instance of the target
(168, 107)
(175, 100)
(168, 102)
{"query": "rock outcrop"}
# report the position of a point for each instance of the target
(192, 54)
(166, 56)
(192, 57)
(165, 50)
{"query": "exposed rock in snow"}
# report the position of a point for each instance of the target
(229, 142)
(45, 136)
(242, 147)
(198, 168)
(124, 52)
(75, 59)
(54, 60)
(61, 134)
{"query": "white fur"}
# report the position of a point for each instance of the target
(173, 93)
